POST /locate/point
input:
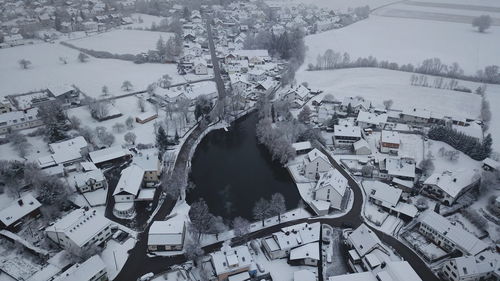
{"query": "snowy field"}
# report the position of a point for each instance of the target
(410, 41)
(122, 41)
(47, 70)
(378, 85)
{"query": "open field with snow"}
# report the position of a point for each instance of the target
(122, 41)
(47, 70)
(378, 85)
(410, 41)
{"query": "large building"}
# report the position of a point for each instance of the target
(315, 163)
(448, 235)
(332, 187)
(13, 215)
(345, 135)
(19, 120)
(231, 261)
(392, 271)
(92, 269)
(80, 229)
(448, 186)
(167, 235)
(469, 268)
(149, 161)
(127, 190)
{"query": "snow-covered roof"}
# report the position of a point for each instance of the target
(146, 115)
(364, 240)
(88, 166)
(491, 163)
(398, 270)
(230, 259)
(82, 178)
(147, 159)
(80, 226)
(388, 195)
(334, 179)
(308, 251)
(18, 117)
(84, 271)
(417, 112)
(372, 118)
(72, 146)
(18, 208)
(356, 102)
(302, 145)
(400, 167)
(300, 91)
(452, 182)
(304, 275)
(252, 53)
(347, 131)
(238, 78)
(107, 154)
(130, 181)
(362, 143)
(390, 137)
(169, 232)
(455, 233)
(59, 90)
(315, 153)
(267, 84)
(362, 276)
(300, 234)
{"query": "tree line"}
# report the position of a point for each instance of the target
(433, 66)
(471, 146)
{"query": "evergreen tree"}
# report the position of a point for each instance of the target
(161, 139)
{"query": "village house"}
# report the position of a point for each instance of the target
(66, 94)
(401, 168)
(256, 75)
(356, 104)
(448, 186)
(490, 164)
(239, 83)
(449, 236)
(19, 120)
(297, 95)
(367, 119)
(5, 106)
(127, 190)
(315, 163)
(15, 213)
(302, 147)
(307, 254)
(470, 268)
(110, 155)
(416, 116)
(366, 250)
(90, 181)
(267, 86)
(149, 161)
(389, 142)
(391, 271)
(345, 135)
(167, 235)
(332, 187)
(146, 117)
(93, 269)
(388, 198)
(361, 147)
(80, 229)
(200, 67)
(279, 244)
(65, 153)
(231, 261)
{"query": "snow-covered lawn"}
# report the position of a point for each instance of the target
(47, 70)
(463, 162)
(122, 41)
(410, 41)
(38, 148)
(378, 85)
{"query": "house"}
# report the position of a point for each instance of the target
(90, 181)
(80, 229)
(266, 87)
(19, 120)
(470, 268)
(401, 168)
(167, 235)
(391, 271)
(5, 106)
(66, 94)
(448, 186)
(149, 161)
(93, 269)
(13, 215)
(302, 147)
(355, 104)
(389, 142)
(146, 117)
(127, 190)
(448, 235)
(388, 197)
(231, 261)
(490, 164)
(298, 94)
(307, 254)
(279, 244)
(315, 163)
(109, 155)
(200, 67)
(256, 75)
(65, 153)
(416, 116)
(361, 147)
(239, 83)
(367, 119)
(345, 135)
(332, 187)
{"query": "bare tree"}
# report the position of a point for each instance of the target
(20, 143)
(105, 90)
(241, 226)
(83, 57)
(277, 205)
(388, 104)
(201, 219)
(482, 22)
(165, 81)
(129, 122)
(130, 138)
(261, 210)
(119, 127)
(193, 250)
(24, 63)
(127, 86)
(63, 60)
(141, 103)
(98, 109)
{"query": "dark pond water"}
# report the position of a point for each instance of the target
(232, 171)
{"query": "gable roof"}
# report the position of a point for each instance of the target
(130, 180)
(18, 208)
(452, 182)
(364, 240)
(334, 179)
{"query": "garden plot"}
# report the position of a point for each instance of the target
(122, 41)
(410, 41)
(48, 71)
(378, 85)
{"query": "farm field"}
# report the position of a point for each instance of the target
(410, 41)
(378, 85)
(47, 70)
(122, 41)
